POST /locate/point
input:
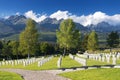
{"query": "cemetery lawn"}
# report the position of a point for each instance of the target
(91, 62)
(93, 74)
(9, 76)
(67, 62)
(52, 64)
(118, 61)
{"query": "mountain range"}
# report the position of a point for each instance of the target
(16, 23)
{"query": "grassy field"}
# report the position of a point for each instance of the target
(68, 63)
(91, 62)
(52, 64)
(94, 74)
(9, 76)
(118, 61)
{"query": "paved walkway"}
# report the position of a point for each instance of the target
(37, 75)
(50, 74)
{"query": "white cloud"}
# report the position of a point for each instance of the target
(95, 18)
(34, 16)
(98, 17)
(85, 20)
(6, 17)
(17, 13)
(60, 15)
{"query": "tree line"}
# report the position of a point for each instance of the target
(69, 37)
(68, 41)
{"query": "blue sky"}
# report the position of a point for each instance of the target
(78, 7)
(85, 12)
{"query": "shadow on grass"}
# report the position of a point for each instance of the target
(88, 67)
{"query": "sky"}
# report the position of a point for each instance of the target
(78, 7)
(40, 9)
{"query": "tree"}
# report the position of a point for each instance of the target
(47, 48)
(113, 39)
(92, 41)
(44, 47)
(1, 46)
(6, 50)
(29, 39)
(67, 36)
(51, 49)
(85, 42)
(14, 45)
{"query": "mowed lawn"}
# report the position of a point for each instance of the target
(94, 74)
(9, 76)
(118, 61)
(52, 64)
(91, 62)
(67, 62)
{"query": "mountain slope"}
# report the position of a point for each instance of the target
(104, 27)
(16, 23)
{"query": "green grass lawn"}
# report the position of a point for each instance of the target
(91, 62)
(68, 62)
(52, 64)
(118, 61)
(9, 76)
(94, 74)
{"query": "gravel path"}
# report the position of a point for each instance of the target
(48, 74)
(38, 75)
